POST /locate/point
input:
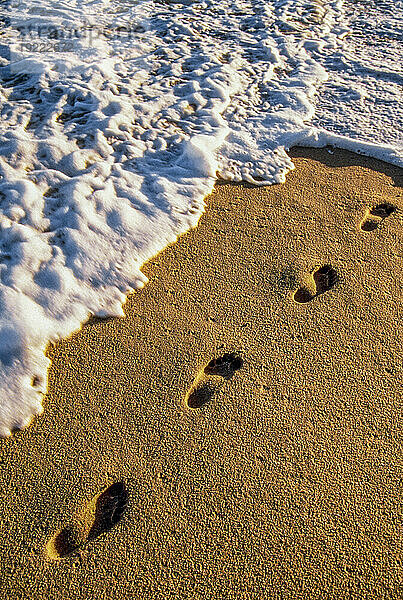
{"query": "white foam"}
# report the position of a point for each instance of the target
(110, 141)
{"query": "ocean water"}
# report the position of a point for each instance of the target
(118, 116)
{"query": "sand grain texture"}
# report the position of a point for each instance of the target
(286, 483)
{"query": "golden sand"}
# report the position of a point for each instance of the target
(283, 481)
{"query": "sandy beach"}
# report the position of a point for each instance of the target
(282, 481)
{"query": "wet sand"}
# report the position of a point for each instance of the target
(281, 479)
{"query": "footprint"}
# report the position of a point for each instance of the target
(324, 279)
(211, 378)
(375, 215)
(101, 514)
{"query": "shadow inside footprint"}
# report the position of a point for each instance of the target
(325, 278)
(66, 542)
(200, 396)
(383, 210)
(369, 225)
(224, 365)
(376, 215)
(109, 508)
(303, 295)
(204, 386)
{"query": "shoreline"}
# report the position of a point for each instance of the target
(285, 479)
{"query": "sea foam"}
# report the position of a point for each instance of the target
(117, 117)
